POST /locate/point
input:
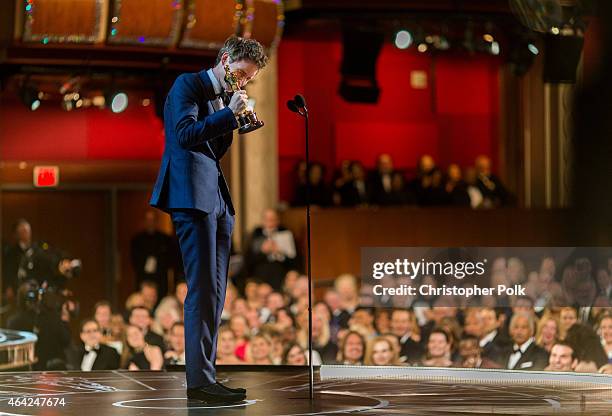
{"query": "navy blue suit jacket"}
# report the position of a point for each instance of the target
(195, 141)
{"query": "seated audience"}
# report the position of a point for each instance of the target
(525, 353)
(92, 354)
(562, 358)
(175, 355)
(438, 349)
(471, 354)
(226, 347)
(138, 354)
(380, 351)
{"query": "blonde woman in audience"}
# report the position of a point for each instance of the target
(137, 354)
(135, 299)
(380, 351)
(568, 316)
(260, 350)
(239, 326)
(321, 337)
(226, 347)
(438, 349)
(277, 342)
(166, 315)
(548, 331)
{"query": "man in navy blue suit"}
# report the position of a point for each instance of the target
(199, 119)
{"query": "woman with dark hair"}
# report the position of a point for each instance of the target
(438, 349)
(586, 344)
(352, 349)
(294, 354)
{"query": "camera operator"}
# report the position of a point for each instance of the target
(31, 260)
(45, 311)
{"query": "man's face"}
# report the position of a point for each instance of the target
(473, 325)
(270, 219)
(103, 315)
(561, 358)
(520, 330)
(140, 318)
(489, 320)
(24, 233)
(244, 69)
(90, 334)
(400, 323)
(177, 338)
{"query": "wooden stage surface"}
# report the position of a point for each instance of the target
(284, 391)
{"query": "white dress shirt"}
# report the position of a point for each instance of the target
(515, 357)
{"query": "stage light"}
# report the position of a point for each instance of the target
(495, 48)
(422, 47)
(488, 38)
(403, 39)
(555, 30)
(117, 101)
(533, 49)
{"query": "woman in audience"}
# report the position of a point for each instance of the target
(226, 347)
(240, 327)
(352, 349)
(568, 316)
(166, 314)
(382, 321)
(605, 329)
(380, 351)
(587, 347)
(548, 331)
(294, 355)
(137, 354)
(260, 350)
(320, 335)
(438, 349)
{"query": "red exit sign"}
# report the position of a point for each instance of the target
(46, 176)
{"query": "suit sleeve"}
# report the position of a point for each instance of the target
(184, 104)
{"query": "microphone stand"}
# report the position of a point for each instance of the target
(299, 106)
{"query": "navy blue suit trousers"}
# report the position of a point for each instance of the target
(205, 241)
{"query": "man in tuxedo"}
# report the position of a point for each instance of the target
(199, 120)
(401, 327)
(93, 355)
(492, 342)
(525, 353)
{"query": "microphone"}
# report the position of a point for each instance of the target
(300, 101)
(291, 105)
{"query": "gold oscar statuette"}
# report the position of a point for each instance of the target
(247, 119)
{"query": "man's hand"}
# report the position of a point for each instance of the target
(238, 102)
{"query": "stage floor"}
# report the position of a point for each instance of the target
(284, 391)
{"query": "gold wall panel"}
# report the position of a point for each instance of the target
(210, 22)
(61, 21)
(264, 21)
(146, 22)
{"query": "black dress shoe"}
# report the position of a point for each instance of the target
(236, 390)
(214, 393)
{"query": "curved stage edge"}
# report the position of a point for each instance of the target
(283, 390)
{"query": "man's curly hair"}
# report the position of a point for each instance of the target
(241, 48)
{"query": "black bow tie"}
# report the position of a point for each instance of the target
(90, 349)
(515, 350)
